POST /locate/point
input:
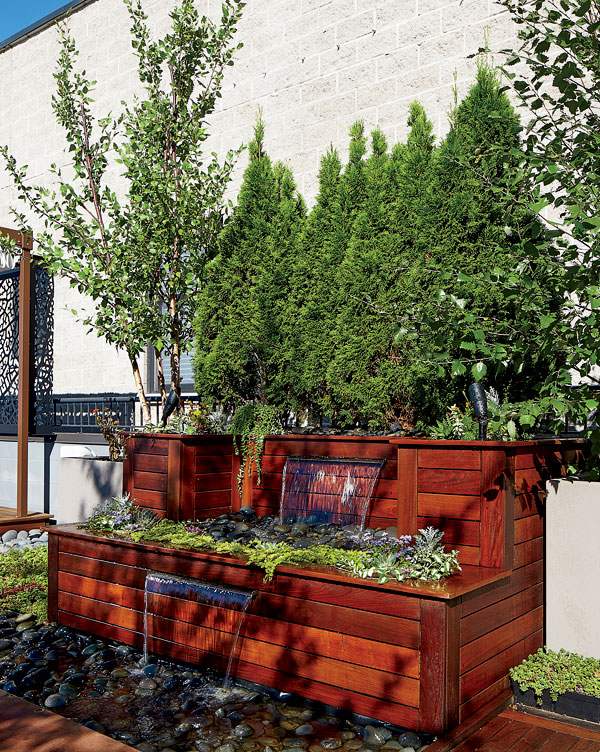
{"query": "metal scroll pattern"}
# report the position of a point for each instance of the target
(42, 355)
(42, 333)
(9, 348)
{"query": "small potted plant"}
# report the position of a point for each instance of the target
(559, 681)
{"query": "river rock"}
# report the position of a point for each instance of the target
(374, 736)
(22, 618)
(119, 673)
(304, 730)
(331, 743)
(409, 739)
(182, 729)
(148, 684)
(226, 748)
(55, 701)
(243, 730)
(9, 535)
(95, 726)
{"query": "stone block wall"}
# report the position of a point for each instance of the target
(313, 66)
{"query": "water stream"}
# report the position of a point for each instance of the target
(327, 490)
(209, 594)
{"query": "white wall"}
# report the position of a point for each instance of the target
(314, 66)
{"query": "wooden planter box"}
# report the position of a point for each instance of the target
(420, 655)
(486, 496)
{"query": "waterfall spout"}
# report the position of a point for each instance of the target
(225, 608)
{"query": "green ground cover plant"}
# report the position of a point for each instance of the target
(558, 672)
(421, 558)
(24, 581)
(120, 513)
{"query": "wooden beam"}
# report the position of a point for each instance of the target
(23, 239)
(440, 664)
(23, 417)
(406, 515)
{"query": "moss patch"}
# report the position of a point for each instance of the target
(24, 581)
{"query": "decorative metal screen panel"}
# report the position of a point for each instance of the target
(42, 349)
(9, 349)
(42, 335)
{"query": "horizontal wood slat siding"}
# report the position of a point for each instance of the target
(110, 582)
(150, 481)
(345, 646)
(212, 463)
(375, 650)
(212, 482)
(450, 459)
(354, 596)
(153, 463)
(371, 706)
(465, 482)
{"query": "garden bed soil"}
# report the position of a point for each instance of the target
(571, 704)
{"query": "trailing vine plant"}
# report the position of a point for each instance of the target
(251, 424)
(109, 426)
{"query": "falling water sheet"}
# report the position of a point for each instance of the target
(328, 490)
(210, 594)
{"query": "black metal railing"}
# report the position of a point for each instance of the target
(78, 413)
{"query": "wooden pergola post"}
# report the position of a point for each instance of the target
(25, 242)
(24, 381)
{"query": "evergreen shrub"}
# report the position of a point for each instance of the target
(239, 355)
(335, 315)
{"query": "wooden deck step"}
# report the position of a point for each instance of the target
(25, 727)
(10, 521)
(494, 729)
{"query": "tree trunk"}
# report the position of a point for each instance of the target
(160, 373)
(140, 390)
(175, 348)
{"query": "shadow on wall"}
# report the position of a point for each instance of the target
(84, 482)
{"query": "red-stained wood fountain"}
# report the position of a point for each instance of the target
(420, 655)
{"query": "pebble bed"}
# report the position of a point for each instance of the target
(167, 707)
(244, 526)
(22, 539)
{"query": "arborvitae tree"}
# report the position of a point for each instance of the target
(468, 224)
(315, 300)
(238, 331)
(367, 377)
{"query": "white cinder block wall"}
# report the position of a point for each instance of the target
(314, 66)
